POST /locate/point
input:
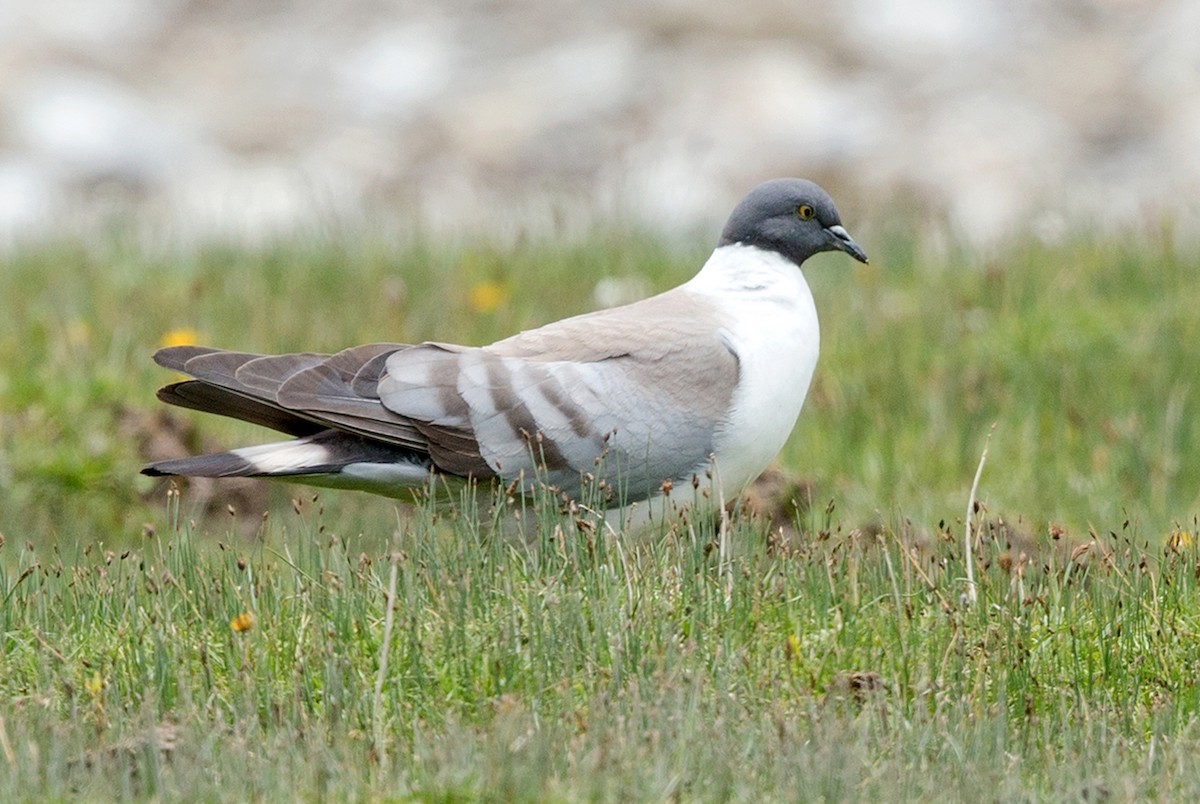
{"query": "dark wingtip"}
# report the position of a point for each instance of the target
(173, 357)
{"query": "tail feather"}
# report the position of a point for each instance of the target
(219, 464)
(301, 456)
(330, 458)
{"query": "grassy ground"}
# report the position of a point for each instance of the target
(579, 667)
(836, 662)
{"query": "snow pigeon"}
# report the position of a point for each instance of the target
(699, 384)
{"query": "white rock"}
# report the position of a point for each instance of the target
(27, 198)
(95, 128)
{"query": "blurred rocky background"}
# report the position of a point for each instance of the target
(244, 119)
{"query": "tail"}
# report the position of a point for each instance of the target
(329, 458)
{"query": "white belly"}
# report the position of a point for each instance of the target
(772, 326)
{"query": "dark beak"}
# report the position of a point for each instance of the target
(842, 240)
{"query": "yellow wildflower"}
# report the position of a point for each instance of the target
(79, 334)
(1179, 540)
(94, 685)
(486, 297)
(182, 336)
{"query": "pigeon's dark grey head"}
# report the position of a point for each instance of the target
(791, 216)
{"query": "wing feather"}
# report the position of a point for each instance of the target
(201, 396)
(633, 395)
(603, 393)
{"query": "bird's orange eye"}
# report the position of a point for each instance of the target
(804, 212)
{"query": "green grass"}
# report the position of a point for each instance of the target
(575, 666)
(837, 663)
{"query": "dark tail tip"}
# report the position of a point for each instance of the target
(222, 464)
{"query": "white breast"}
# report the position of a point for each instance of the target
(771, 323)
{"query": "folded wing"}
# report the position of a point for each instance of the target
(633, 395)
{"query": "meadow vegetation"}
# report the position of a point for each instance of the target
(228, 642)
